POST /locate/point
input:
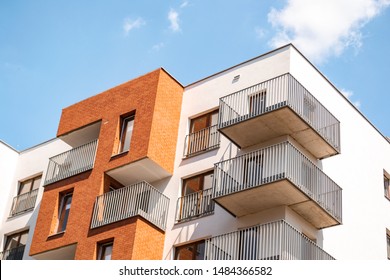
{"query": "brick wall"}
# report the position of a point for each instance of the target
(156, 100)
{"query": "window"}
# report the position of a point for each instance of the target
(386, 183)
(27, 194)
(257, 102)
(204, 133)
(14, 246)
(105, 250)
(388, 243)
(192, 251)
(253, 170)
(127, 125)
(29, 185)
(196, 196)
(64, 210)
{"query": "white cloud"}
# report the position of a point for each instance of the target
(184, 4)
(129, 24)
(348, 94)
(323, 28)
(158, 46)
(173, 17)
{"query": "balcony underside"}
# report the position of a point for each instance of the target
(63, 253)
(283, 121)
(144, 169)
(271, 195)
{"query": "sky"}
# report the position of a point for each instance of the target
(56, 53)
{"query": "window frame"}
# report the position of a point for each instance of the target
(386, 184)
(64, 212)
(124, 140)
(194, 246)
(33, 186)
(102, 249)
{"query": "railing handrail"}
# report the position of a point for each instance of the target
(17, 251)
(277, 162)
(202, 140)
(284, 90)
(71, 162)
(137, 199)
(30, 196)
(74, 149)
(273, 240)
(192, 205)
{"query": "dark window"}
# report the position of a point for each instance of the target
(105, 250)
(126, 133)
(64, 210)
(14, 246)
(386, 183)
(388, 244)
(192, 251)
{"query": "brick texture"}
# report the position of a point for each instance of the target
(156, 100)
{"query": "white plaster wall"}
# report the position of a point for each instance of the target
(198, 98)
(31, 162)
(358, 170)
(8, 162)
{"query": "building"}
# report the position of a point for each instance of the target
(264, 160)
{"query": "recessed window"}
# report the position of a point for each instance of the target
(27, 195)
(386, 184)
(14, 246)
(203, 134)
(127, 125)
(192, 251)
(64, 209)
(388, 243)
(105, 250)
(196, 196)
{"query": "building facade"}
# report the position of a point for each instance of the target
(264, 160)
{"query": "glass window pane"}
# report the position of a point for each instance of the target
(127, 132)
(192, 185)
(64, 212)
(36, 183)
(208, 181)
(25, 187)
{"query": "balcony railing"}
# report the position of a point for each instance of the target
(282, 91)
(71, 163)
(272, 241)
(201, 141)
(13, 254)
(23, 203)
(275, 163)
(139, 199)
(194, 205)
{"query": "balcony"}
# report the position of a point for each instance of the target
(23, 203)
(13, 254)
(195, 205)
(71, 163)
(202, 141)
(280, 106)
(272, 241)
(140, 199)
(274, 176)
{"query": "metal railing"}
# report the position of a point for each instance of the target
(23, 203)
(272, 241)
(72, 162)
(13, 254)
(195, 205)
(273, 94)
(138, 199)
(273, 163)
(202, 140)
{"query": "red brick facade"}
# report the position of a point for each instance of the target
(155, 98)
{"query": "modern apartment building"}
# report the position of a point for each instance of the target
(264, 160)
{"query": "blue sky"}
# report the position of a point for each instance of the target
(56, 53)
